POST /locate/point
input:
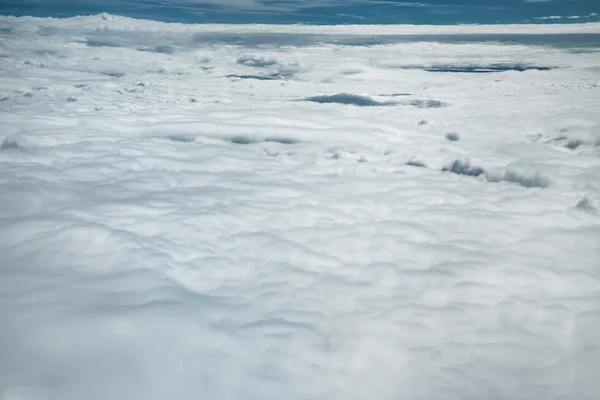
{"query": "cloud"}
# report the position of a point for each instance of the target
(550, 17)
(175, 231)
(350, 16)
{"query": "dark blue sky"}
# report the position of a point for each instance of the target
(320, 11)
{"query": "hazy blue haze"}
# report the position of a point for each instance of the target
(320, 11)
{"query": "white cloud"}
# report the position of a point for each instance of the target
(350, 16)
(551, 17)
(591, 15)
(188, 225)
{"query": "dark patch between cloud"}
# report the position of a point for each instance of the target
(463, 168)
(422, 103)
(269, 77)
(348, 99)
(114, 74)
(251, 60)
(452, 136)
(366, 101)
(248, 139)
(486, 68)
(182, 138)
(161, 48)
(11, 143)
(585, 204)
(526, 179)
(416, 163)
(571, 144)
(103, 42)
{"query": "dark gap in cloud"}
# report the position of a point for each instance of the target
(482, 69)
(114, 74)
(366, 101)
(161, 48)
(351, 155)
(349, 72)
(416, 163)
(423, 103)
(45, 52)
(571, 144)
(347, 99)
(34, 64)
(165, 71)
(103, 42)
(235, 139)
(11, 143)
(452, 136)
(248, 139)
(526, 179)
(394, 94)
(270, 77)
(573, 137)
(182, 138)
(463, 168)
(585, 204)
(479, 68)
(251, 60)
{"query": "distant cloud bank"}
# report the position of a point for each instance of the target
(551, 17)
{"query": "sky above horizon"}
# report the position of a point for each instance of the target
(320, 11)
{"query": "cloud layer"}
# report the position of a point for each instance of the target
(230, 212)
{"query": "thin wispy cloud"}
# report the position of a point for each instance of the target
(556, 17)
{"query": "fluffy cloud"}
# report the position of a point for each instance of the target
(292, 212)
